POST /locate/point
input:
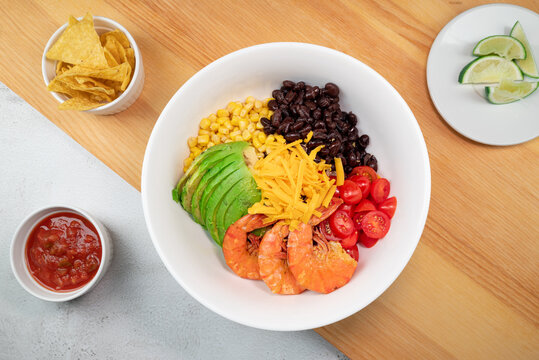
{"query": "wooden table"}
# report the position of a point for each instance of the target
(471, 288)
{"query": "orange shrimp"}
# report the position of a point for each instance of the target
(326, 212)
(272, 262)
(322, 268)
(242, 255)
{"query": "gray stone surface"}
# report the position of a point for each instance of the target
(137, 311)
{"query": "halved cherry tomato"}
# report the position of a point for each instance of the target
(366, 171)
(353, 252)
(349, 241)
(325, 229)
(388, 206)
(380, 190)
(375, 224)
(357, 219)
(367, 241)
(365, 205)
(341, 224)
(363, 182)
(348, 208)
(350, 192)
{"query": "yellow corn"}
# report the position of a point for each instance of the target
(255, 117)
(205, 123)
(235, 120)
(244, 112)
(223, 130)
(212, 117)
(215, 138)
(262, 137)
(251, 127)
(263, 112)
(269, 139)
(258, 105)
(196, 151)
(242, 124)
(192, 142)
(222, 113)
(228, 125)
(236, 111)
(266, 101)
(256, 143)
(214, 126)
(203, 132)
(262, 148)
(203, 139)
(210, 144)
(250, 100)
(259, 125)
(246, 135)
(221, 120)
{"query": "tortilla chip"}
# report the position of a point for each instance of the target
(92, 86)
(80, 45)
(117, 73)
(72, 20)
(80, 104)
(118, 35)
(130, 55)
(110, 58)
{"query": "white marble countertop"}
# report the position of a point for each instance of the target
(137, 311)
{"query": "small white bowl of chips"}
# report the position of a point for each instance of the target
(93, 64)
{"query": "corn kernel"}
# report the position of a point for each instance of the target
(237, 137)
(231, 105)
(258, 105)
(235, 120)
(262, 148)
(215, 138)
(214, 126)
(250, 100)
(270, 139)
(203, 132)
(228, 125)
(192, 142)
(212, 117)
(263, 112)
(236, 111)
(259, 155)
(235, 128)
(187, 162)
(256, 143)
(262, 137)
(203, 139)
(228, 141)
(255, 117)
(222, 113)
(223, 130)
(242, 124)
(266, 101)
(210, 144)
(249, 106)
(255, 133)
(205, 123)
(244, 112)
(251, 127)
(269, 113)
(221, 120)
(196, 151)
(246, 135)
(259, 125)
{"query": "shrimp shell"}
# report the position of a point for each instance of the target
(241, 256)
(272, 261)
(322, 268)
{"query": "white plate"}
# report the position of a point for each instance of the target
(464, 106)
(197, 263)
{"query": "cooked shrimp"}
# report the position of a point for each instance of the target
(272, 262)
(326, 212)
(322, 268)
(241, 250)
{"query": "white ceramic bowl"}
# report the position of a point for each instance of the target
(18, 256)
(193, 258)
(128, 97)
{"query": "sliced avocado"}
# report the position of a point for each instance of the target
(218, 172)
(243, 195)
(210, 161)
(194, 165)
(218, 195)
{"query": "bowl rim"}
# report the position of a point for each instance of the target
(341, 313)
(113, 24)
(21, 236)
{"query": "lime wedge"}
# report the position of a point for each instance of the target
(489, 69)
(502, 45)
(527, 65)
(509, 91)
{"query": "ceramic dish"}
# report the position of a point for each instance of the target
(464, 107)
(18, 255)
(128, 97)
(197, 263)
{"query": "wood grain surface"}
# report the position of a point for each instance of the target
(470, 290)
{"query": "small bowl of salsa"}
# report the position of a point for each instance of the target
(60, 252)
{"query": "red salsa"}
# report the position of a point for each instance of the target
(63, 251)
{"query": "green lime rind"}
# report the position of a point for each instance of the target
(505, 46)
(509, 92)
(489, 69)
(528, 66)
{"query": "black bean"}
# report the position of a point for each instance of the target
(294, 109)
(310, 105)
(279, 96)
(289, 84)
(319, 125)
(373, 163)
(363, 140)
(323, 102)
(290, 97)
(276, 118)
(348, 169)
(317, 114)
(334, 148)
(316, 90)
(299, 86)
(331, 125)
(352, 119)
(300, 98)
(335, 100)
(298, 125)
(288, 120)
(324, 151)
(319, 134)
(334, 135)
(334, 107)
(314, 143)
(352, 159)
(308, 128)
(332, 89)
(272, 105)
(265, 121)
(292, 136)
(304, 132)
(283, 128)
(303, 111)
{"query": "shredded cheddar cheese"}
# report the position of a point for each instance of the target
(293, 185)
